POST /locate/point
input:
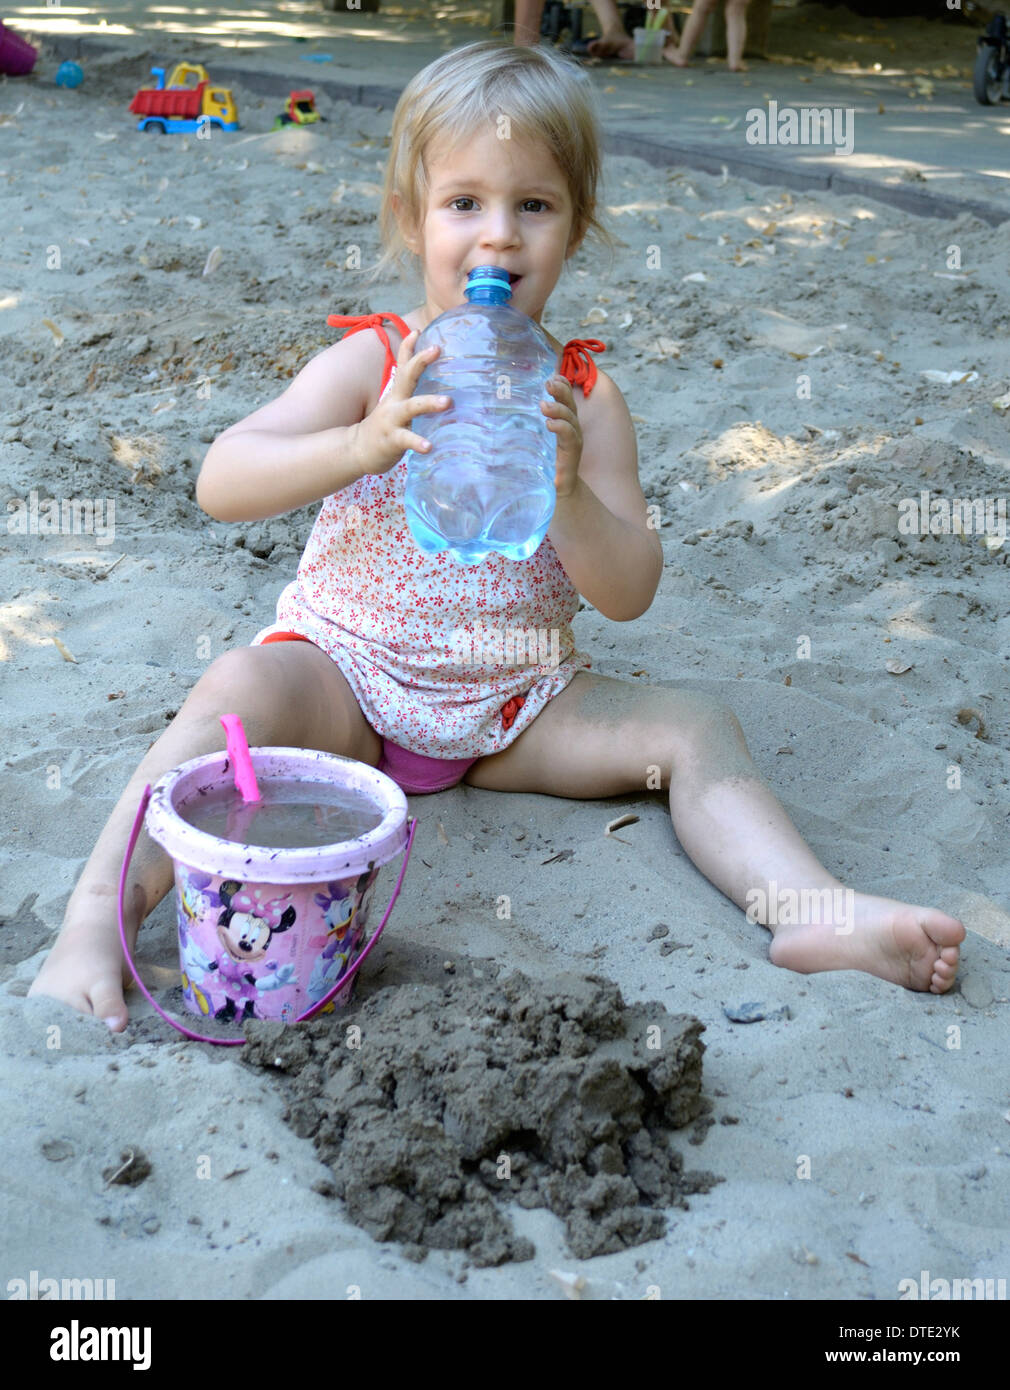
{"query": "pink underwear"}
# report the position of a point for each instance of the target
(416, 773)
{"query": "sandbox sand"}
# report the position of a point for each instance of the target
(779, 499)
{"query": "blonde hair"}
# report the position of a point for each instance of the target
(546, 99)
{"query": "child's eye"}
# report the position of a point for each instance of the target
(466, 199)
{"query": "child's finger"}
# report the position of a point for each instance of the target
(411, 366)
(408, 348)
(417, 442)
(425, 405)
(407, 345)
(419, 362)
(407, 356)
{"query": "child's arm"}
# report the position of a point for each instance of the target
(314, 439)
(601, 528)
(294, 450)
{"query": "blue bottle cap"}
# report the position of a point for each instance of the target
(489, 277)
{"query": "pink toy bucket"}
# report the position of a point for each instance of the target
(17, 56)
(271, 933)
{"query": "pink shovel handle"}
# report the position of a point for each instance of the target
(241, 762)
(309, 1013)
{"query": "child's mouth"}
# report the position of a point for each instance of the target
(514, 279)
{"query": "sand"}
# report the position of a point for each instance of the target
(782, 416)
(437, 1107)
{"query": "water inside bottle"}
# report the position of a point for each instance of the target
(293, 814)
(488, 481)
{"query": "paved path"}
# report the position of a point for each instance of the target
(935, 156)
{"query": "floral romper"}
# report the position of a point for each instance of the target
(391, 616)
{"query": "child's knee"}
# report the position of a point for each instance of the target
(246, 680)
(709, 734)
(234, 670)
(718, 722)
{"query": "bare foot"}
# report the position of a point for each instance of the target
(85, 968)
(916, 947)
(613, 45)
(671, 52)
(739, 67)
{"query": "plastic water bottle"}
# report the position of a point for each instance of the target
(487, 482)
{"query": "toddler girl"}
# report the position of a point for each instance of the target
(494, 159)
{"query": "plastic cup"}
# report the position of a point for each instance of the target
(649, 45)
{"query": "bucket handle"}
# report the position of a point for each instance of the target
(309, 1013)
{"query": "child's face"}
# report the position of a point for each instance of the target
(494, 202)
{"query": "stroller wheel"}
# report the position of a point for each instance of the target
(988, 80)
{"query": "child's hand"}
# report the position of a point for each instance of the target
(382, 438)
(563, 421)
(85, 969)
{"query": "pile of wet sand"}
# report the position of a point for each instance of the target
(434, 1105)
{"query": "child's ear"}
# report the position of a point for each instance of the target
(575, 242)
(407, 231)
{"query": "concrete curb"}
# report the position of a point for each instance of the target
(765, 168)
(758, 167)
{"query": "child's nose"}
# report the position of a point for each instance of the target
(499, 228)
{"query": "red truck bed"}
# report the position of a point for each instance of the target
(175, 102)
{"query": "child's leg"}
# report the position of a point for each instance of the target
(601, 737)
(680, 55)
(287, 694)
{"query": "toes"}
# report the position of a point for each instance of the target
(107, 1004)
(945, 931)
(944, 970)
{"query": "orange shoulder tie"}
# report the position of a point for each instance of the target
(577, 365)
(355, 322)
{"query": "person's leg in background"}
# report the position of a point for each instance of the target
(736, 34)
(695, 23)
(529, 14)
(614, 41)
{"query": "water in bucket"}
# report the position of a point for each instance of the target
(267, 929)
(289, 814)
